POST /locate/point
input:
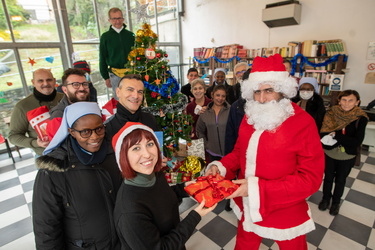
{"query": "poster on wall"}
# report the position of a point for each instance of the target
(371, 51)
(370, 75)
(336, 82)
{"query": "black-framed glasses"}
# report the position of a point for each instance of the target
(86, 133)
(76, 85)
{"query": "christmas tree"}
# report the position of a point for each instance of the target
(161, 97)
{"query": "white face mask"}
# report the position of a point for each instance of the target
(306, 94)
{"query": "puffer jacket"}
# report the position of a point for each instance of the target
(73, 203)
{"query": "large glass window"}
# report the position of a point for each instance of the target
(33, 21)
(33, 59)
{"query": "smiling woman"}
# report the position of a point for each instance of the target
(66, 187)
(146, 212)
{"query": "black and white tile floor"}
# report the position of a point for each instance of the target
(352, 229)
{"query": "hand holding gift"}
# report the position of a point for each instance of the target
(211, 188)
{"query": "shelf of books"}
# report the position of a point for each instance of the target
(320, 59)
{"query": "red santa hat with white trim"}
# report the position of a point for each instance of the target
(269, 70)
(118, 138)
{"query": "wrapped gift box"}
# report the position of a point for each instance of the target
(211, 188)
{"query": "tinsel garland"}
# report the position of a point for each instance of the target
(304, 60)
(179, 106)
(164, 90)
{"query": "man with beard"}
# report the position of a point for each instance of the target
(44, 94)
(76, 89)
(280, 161)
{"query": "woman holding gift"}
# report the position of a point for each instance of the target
(146, 212)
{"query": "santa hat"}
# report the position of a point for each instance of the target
(82, 65)
(71, 114)
(310, 80)
(118, 138)
(270, 70)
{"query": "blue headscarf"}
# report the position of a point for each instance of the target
(71, 114)
(309, 80)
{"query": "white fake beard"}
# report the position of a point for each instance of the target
(268, 116)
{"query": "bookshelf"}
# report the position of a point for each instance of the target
(209, 67)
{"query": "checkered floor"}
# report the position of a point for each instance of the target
(352, 229)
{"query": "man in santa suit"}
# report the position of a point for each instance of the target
(280, 161)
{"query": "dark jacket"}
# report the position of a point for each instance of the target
(186, 90)
(122, 116)
(230, 92)
(236, 114)
(73, 203)
(315, 107)
(148, 217)
(352, 138)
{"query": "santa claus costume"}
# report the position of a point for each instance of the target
(283, 165)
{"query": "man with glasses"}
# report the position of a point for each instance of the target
(76, 89)
(115, 45)
(44, 94)
(279, 160)
(239, 70)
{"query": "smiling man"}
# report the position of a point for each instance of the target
(130, 94)
(279, 160)
(44, 94)
(115, 45)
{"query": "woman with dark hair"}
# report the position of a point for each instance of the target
(76, 185)
(343, 130)
(212, 124)
(146, 212)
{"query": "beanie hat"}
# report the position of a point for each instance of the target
(122, 133)
(82, 65)
(270, 70)
(310, 80)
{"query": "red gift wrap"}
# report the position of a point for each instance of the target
(211, 188)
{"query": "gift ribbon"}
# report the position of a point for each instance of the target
(217, 192)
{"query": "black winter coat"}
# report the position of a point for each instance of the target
(73, 203)
(315, 107)
(122, 116)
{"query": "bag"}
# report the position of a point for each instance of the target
(196, 148)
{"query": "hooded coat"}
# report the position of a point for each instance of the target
(73, 203)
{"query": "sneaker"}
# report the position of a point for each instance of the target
(335, 208)
(323, 205)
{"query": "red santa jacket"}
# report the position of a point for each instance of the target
(283, 168)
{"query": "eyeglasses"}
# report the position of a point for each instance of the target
(268, 91)
(86, 133)
(240, 72)
(76, 85)
(117, 18)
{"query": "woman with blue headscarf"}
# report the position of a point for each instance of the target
(76, 185)
(308, 99)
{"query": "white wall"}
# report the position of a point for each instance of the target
(211, 23)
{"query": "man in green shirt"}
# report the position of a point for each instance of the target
(115, 45)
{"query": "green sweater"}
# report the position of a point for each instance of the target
(21, 132)
(114, 49)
